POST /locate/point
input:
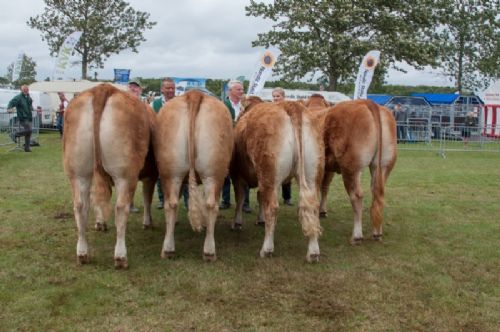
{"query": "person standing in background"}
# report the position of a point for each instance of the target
(24, 107)
(286, 188)
(233, 104)
(63, 103)
(167, 90)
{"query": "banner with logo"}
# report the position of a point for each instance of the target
(182, 84)
(264, 70)
(18, 65)
(365, 74)
(65, 52)
(122, 76)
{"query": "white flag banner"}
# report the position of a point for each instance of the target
(64, 54)
(365, 74)
(264, 70)
(18, 65)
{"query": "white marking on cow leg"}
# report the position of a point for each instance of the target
(353, 188)
(313, 249)
(81, 200)
(124, 194)
(171, 189)
(270, 206)
(212, 209)
(148, 187)
(239, 193)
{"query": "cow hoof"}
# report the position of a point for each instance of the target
(266, 254)
(313, 258)
(145, 227)
(260, 223)
(168, 254)
(83, 259)
(323, 215)
(101, 227)
(356, 241)
(236, 227)
(209, 258)
(121, 263)
(377, 237)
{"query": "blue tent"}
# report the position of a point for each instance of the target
(438, 98)
(380, 99)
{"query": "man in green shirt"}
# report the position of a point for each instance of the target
(167, 90)
(24, 107)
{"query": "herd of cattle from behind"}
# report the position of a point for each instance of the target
(112, 138)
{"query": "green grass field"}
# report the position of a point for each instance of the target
(438, 268)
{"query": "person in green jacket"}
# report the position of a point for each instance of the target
(233, 104)
(24, 107)
(167, 90)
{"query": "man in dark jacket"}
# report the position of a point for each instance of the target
(24, 107)
(233, 104)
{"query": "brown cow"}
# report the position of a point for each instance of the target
(194, 139)
(358, 134)
(273, 143)
(106, 141)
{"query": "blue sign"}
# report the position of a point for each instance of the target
(122, 76)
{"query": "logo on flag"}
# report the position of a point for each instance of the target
(365, 74)
(64, 54)
(264, 70)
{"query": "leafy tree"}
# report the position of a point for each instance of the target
(109, 26)
(470, 48)
(330, 37)
(27, 74)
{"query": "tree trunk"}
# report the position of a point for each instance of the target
(84, 64)
(460, 64)
(332, 82)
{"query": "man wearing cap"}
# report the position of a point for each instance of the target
(135, 88)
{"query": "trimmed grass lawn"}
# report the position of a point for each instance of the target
(438, 268)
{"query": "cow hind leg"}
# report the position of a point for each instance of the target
(239, 194)
(148, 187)
(325, 185)
(101, 199)
(81, 203)
(269, 201)
(352, 184)
(309, 219)
(124, 193)
(171, 189)
(212, 193)
(261, 219)
(378, 194)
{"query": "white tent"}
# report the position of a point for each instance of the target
(491, 98)
(71, 87)
(331, 96)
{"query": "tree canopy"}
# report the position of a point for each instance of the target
(108, 26)
(470, 43)
(27, 75)
(330, 37)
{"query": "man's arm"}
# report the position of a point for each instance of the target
(13, 102)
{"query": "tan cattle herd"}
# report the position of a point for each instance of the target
(112, 138)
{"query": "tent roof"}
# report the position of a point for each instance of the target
(68, 86)
(438, 98)
(379, 99)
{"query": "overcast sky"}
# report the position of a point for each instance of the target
(192, 38)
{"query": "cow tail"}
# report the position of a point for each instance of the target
(196, 211)
(308, 200)
(101, 191)
(376, 209)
